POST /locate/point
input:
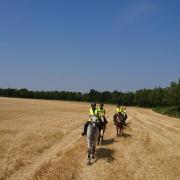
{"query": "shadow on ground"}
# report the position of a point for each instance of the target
(103, 153)
(126, 135)
(108, 141)
(127, 124)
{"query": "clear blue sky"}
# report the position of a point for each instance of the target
(82, 44)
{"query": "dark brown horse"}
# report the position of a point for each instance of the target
(102, 129)
(119, 122)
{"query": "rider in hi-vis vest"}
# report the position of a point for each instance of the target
(118, 111)
(102, 112)
(92, 112)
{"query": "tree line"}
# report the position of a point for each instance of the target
(158, 96)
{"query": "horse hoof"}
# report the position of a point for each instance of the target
(89, 162)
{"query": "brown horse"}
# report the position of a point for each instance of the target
(119, 122)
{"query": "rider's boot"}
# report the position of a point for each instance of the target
(85, 129)
(83, 133)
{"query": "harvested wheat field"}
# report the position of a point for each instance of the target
(40, 139)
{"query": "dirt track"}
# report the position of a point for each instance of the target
(41, 139)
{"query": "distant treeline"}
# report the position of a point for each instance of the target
(158, 96)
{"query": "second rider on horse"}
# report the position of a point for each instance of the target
(102, 112)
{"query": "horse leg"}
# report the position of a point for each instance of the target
(103, 132)
(117, 131)
(89, 157)
(99, 139)
(122, 129)
(89, 151)
(93, 153)
(102, 137)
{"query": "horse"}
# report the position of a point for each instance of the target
(102, 129)
(92, 138)
(119, 122)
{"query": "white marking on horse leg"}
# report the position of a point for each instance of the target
(88, 161)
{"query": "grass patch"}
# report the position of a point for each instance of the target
(65, 166)
(18, 154)
(173, 111)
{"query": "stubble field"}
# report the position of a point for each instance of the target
(40, 139)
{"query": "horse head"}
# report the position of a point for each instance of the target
(119, 118)
(94, 121)
(93, 125)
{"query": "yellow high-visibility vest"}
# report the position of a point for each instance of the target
(119, 110)
(93, 113)
(123, 111)
(101, 112)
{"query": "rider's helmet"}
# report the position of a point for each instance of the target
(93, 105)
(101, 105)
